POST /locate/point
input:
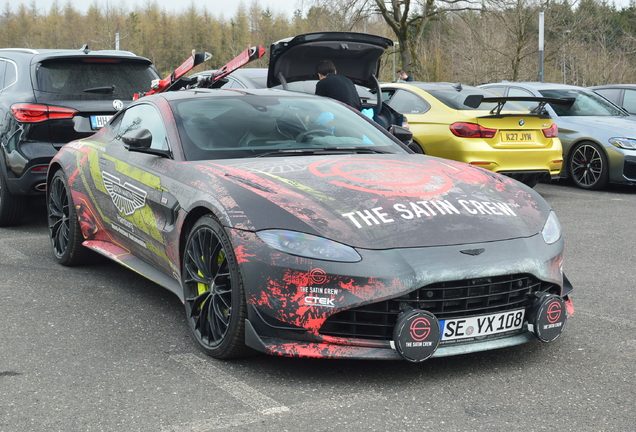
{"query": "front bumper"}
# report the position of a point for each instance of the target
(292, 300)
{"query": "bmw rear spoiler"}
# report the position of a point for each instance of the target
(474, 101)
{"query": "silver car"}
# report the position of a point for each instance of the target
(598, 137)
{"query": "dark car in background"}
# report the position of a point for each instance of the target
(253, 78)
(623, 95)
(50, 97)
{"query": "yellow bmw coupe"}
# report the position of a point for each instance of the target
(481, 128)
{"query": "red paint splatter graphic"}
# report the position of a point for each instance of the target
(388, 177)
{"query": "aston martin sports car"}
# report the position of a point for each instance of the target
(292, 225)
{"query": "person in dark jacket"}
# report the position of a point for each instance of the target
(336, 86)
(403, 76)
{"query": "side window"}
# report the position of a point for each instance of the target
(407, 103)
(231, 83)
(144, 116)
(629, 101)
(515, 91)
(10, 75)
(499, 90)
(3, 67)
(611, 94)
(387, 95)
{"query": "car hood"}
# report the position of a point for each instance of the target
(356, 56)
(375, 201)
(613, 126)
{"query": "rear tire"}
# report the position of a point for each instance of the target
(64, 231)
(11, 206)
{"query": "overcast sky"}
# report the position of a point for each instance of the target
(220, 8)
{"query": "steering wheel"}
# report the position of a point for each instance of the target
(302, 137)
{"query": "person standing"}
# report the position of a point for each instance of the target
(403, 76)
(335, 86)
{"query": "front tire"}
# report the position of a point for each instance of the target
(213, 291)
(64, 231)
(588, 167)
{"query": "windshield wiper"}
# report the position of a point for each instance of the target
(323, 150)
(104, 89)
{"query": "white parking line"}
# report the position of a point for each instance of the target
(263, 404)
(9, 254)
(238, 389)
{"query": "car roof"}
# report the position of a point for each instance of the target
(536, 85)
(616, 86)
(214, 93)
(424, 85)
(38, 55)
(355, 55)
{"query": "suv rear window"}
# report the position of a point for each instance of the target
(92, 79)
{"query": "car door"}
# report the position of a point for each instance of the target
(429, 126)
(134, 203)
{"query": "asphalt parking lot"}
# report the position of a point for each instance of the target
(99, 348)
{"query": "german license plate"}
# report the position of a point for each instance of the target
(97, 122)
(507, 136)
(483, 325)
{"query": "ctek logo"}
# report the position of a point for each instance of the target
(127, 198)
(319, 301)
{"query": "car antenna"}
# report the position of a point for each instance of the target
(85, 49)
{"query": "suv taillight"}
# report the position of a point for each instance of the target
(551, 132)
(471, 130)
(31, 113)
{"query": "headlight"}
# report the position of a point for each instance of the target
(552, 229)
(308, 246)
(624, 143)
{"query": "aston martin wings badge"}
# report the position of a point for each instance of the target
(127, 198)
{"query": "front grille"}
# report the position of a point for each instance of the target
(629, 170)
(446, 300)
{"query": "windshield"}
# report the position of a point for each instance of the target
(93, 79)
(258, 126)
(455, 99)
(586, 103)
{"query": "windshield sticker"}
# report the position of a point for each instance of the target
(419, 209)
(127, 198)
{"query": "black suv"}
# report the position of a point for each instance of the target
(50, 97)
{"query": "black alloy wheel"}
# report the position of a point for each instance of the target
(213, 291)
(588, 166)
(64, 231)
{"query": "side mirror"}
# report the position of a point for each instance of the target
(137, 139)
(402, 133)
(140, 141)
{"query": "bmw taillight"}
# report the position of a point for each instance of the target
(471, 130)
(551, 132)
(31, 113)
